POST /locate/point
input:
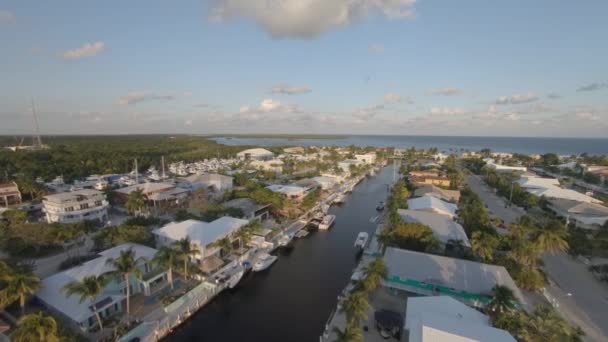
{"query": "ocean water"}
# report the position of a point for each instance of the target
(561, 146)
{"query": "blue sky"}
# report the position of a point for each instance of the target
(505, 68)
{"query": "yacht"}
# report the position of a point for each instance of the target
(328, 220)
(380, 206)
(262, 261)
(231, 277)
(361, 240)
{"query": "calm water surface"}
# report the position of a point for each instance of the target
(565, 146)
(292, 300)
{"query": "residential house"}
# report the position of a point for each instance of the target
(346, 164)
(159, 195)
(431, 275)
(9, 194)
(213, 181)
(112, 300)
(76, 206)
(367, 158)
(504, 168)
(273, 165)
(444, 319)
(549, 188)
(585, 215)
(445, 230)
(440, 193)
(251, 210)
(203, 235)
(325, 182)
(255, 154)
(432, 204)
(294, 150)
(293, 192)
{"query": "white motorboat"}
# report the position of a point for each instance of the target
(284, 240)
(231, 277)
(328, 220)
(339, 198)
(263, 261)
(361, 241)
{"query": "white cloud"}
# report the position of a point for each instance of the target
(446, 111)
(289, 90)
(270, 106)
(593, 86)
(135, 97)
(376, 49)
(306, 19)
(87, 50)
(7, 17)
(516, 99)
(447, 91)
(392, 98)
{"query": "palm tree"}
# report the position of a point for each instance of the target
(166, 258)
(374, 273)
(186, 250)
(225, 244)
(502, 301)
(349, 334)
(125, 266)
(89, 288)
(484, 245)
(244, 236)
(136, 201)
(385, 238)
(552, 238)
(18, 286)
(36, 327)
(355, 307)
(523, 252)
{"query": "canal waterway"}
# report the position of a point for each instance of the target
(293, 299)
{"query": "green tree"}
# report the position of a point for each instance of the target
(552, 238)
(186, 250)
(166, 257)
(125, 265)
(374, 273)
(136, 202)
(89, 288)
(355, 307)
(15, 217)
(484, 244)
(414, 236)
(36, 327)
(19, 284)
(503, 300)
(244, 235)
(350, 333)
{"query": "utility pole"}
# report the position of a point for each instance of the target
(511, 194)
(162, 162)
(36, 141)
(136, 173)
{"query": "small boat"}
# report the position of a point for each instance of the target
(284, 240)
(361, 240)
(380, 206)
(339, 198)
(301, 234)
(231, 277)
(328, 220)
(263, 261)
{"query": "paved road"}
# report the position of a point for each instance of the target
(587, 306)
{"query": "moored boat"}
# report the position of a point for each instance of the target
(327, 222)
(361, 240)
(263, 261)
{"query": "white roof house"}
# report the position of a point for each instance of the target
(51, 291)
(200, 233)
(146, 188)
(585, 215)
(444, 319)
(214, 180)
(290, 191)
(255, 154)
(503, 168)
(367, 158)
(432, 204)
(428, 274)
(549, 187)
(444, 228)
(325, 182)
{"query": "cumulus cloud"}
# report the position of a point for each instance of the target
(85, 51)
(289, 89)
(306, 19)
(593, 86)
(270, 106)
(7, 17)
(392, 98)
(376, 49)
(446, 111)
(447, 91)
(136, 97)
(516, 99)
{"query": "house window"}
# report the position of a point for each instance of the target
(84, 206)
(98, 203)
(69, 209)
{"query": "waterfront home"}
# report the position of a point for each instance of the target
(76, 206)
(112, 300)
(446, 230)
(294, 150)
(325, 182)
(214, 181)
(583, 214)
(549, 188)
(251, 210)
(158, 194)
(367, 158)
(255, 154)
(437, 192)
(432, 204)
(9, 194)
(203, 235)
(293, 192)
(346, 164)
(272, 165)
(503, 168)
(444, 319)
(430, 275)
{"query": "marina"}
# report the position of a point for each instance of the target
(283, 293)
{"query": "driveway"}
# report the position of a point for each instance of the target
(587, 304)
